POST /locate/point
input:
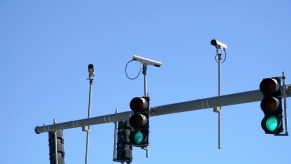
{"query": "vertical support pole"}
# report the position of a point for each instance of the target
(56, 145)
(219, 93)
(87, 128)
(144, 72)
(285, 103)
(218, 109)
(115, 139)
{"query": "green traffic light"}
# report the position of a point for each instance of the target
(138, 137)
(272, 123)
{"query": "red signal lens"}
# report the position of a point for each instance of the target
(269, 86)
(138, 104)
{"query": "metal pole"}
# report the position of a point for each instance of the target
(219, 72)
(115, 139)
(144, 72)
(219, 92)
(199, 104)
(285, 103)
(218, 109)
(56, 145)
(89, 111)
(87, 143)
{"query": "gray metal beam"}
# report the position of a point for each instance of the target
(224, 100)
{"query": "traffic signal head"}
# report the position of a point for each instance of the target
(139, 121)
(271, 105)
(123, 146)
(139, 104)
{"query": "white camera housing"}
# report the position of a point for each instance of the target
(218, 44)
(146, 61)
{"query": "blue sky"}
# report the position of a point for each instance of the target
(46, 46)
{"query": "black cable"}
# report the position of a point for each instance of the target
(216, 56)
(225, 55)
(127, 74)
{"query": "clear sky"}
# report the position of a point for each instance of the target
(46, 46)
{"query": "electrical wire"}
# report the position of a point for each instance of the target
(216, 56)
(224, 55)
(127, 74)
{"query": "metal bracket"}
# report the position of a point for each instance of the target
(147, 151)
(216, 109)
(284, 96)
(85, 128)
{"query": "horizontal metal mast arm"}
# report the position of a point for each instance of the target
(225, 100)
(83, 122)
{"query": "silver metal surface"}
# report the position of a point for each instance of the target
(144, 72)
(56, 145)
(115, 139)
(199, 104)
(285, 103)
(89, 112)
(219, 93)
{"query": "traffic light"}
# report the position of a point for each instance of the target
(139, 121)
(56, 144)
(272, 105)
(124, 148)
